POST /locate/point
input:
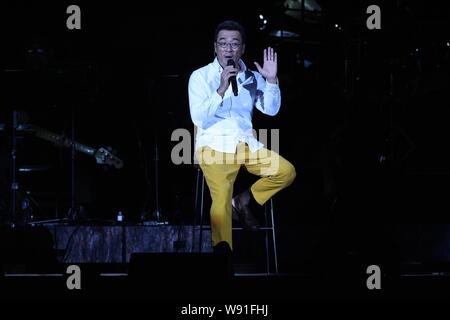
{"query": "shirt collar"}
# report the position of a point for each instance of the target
(219, 68)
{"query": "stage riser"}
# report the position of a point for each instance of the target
(89, 244)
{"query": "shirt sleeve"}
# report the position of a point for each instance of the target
(268, 96)
(203, 102)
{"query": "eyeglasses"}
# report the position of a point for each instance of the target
(224, 45)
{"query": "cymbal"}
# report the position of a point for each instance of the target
(21, 127)
(284, 34)
(33, 168)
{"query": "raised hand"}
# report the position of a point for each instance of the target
(270, 66)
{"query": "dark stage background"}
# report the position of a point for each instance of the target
(363, 118)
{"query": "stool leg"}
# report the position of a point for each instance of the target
(195, 211)
(273, 237)
(201, 212)
(196, 196)
(194, 227)
(266, 224)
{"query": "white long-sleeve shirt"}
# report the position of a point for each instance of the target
(223, 122)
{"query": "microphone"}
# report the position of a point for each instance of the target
(233, 78)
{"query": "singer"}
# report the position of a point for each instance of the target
(222, 114)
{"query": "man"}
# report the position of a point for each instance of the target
(222, 114)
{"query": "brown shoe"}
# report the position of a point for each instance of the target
(242, 213)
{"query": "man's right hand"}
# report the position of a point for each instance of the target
(227, 72)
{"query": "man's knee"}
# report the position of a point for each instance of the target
(288, 172)
(221, 198)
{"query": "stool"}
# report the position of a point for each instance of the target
(268, 228)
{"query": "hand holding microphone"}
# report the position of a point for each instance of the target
(228, 77)
(233, 78)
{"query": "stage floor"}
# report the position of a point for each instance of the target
(249, 288)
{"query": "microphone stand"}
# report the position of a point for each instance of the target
(14, 183)
(74, 212)
(149, 216)
(157, 212)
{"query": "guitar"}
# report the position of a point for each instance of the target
(102, 155)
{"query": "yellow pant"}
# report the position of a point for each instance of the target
(220, 171)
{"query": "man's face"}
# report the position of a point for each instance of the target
(229, 45)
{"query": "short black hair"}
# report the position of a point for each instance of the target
(232, 26)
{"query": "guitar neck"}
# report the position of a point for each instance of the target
(82, 148)
(62, 140)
